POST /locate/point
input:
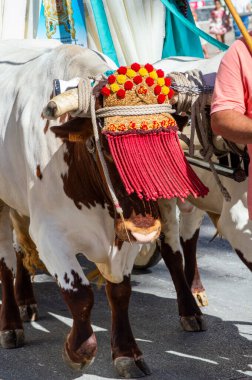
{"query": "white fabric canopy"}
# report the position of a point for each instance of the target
(137, 26)
(19, 18)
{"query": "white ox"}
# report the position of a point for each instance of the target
(230, 217)
(60, 187)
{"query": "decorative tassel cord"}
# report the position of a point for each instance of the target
(193, 97)
(86, 108)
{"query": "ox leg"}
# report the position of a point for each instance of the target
(190, 222)
(80, 345)
(190, 315)
(126, 355)
(24, 292)
(11, 328)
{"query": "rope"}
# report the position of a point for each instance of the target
(148, 109)
(193, 97)
(101, 157)
(86, 108)
(84, 96)
(114, 198)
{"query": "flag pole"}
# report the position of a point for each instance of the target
(241, 26)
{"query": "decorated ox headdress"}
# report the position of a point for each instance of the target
(141, 132)
(142, 135)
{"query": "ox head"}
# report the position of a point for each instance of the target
(142, 154)
(86, 185)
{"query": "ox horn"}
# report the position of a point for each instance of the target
(61, 104)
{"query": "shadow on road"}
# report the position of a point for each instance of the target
(171, 353)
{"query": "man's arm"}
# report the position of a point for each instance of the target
(228, 109)
(233, 126)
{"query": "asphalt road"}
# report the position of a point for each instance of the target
(222, 352)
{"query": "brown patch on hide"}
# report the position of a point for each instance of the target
(118, 243)
(31, 259)
(122, 340)
(82, 183)
(85, 182)
(38, 172)
(189, 250)
(66, 278)
(46, 126)
(23, 286)
(241, 255)
(191, 269)
(174, 262)
(81, 344)
(77, 281)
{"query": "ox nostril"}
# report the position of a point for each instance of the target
(141, 221)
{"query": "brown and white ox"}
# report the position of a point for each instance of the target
(60, 187)
(230, 217)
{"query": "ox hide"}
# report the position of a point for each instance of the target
(233, 222)
(60, 187)
(32, 163)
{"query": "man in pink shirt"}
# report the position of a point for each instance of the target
(231, 112)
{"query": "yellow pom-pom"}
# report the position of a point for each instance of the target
(121, 79)
(161, 81)
(165, 90)
(131, 73)
(143, 72)
(114, 87)
(153, 75)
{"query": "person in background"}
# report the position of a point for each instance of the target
(242, 6)
(202, 41)
(219, 22)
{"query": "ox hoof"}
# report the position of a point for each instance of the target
(83, 357)
(130, 368)
(193, 323)
(201, 298)
(12, 338)
(29, 313)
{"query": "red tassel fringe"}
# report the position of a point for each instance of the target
(154, 166)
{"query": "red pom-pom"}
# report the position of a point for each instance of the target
(111, 79)
(171, 93)
(149, 81)
(149, 67)
(121, 93)
(137, 79)
(128, 85)
(160, 73)
(122, 70)
(168, 81)
(105, 91)
(161, 98)
(157, 90)
(135, 66)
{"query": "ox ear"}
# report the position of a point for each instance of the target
(75, 130)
